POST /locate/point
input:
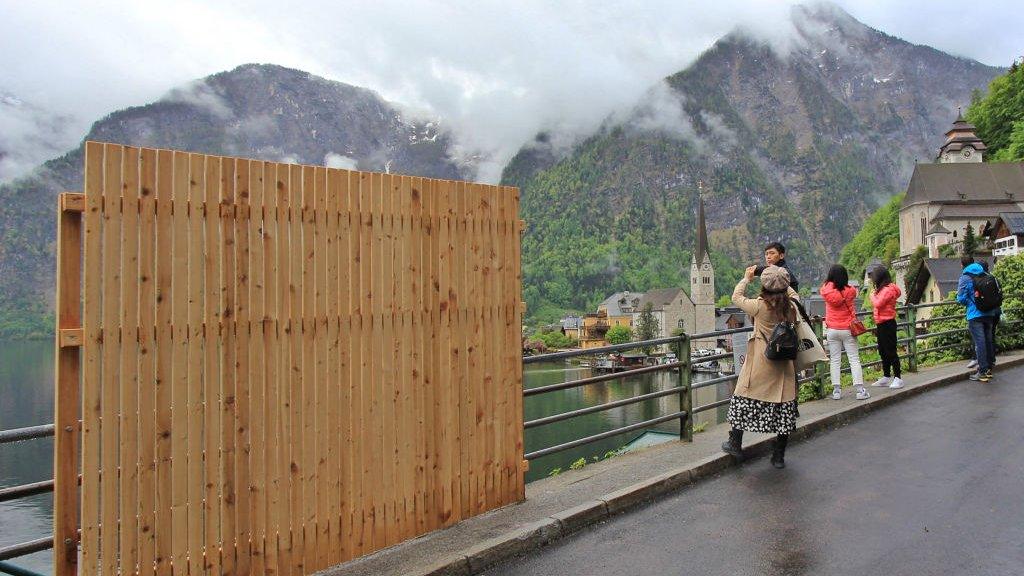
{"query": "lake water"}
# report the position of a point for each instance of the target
(26, 399)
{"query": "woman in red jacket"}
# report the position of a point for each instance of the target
(883, 299)
(839, 314)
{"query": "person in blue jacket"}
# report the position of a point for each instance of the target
(981, 325)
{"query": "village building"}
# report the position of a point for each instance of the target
(672, 308)
(957, 191)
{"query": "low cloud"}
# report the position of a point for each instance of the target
(333, 160)
(203, 96)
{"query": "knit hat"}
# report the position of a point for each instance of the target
(775, 279)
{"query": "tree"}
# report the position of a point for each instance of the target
(619, 335)
(915, 265)
(970, 241)
(879, 238)
(647, 327)
(999, 116)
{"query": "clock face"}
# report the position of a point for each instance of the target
(706, 267)
(966, 153)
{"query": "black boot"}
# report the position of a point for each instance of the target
(779, 452)
(734, 445)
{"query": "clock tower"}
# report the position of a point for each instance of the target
(962, 144)
(702, 278)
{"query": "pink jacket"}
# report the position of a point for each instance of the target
(838, 306)
(884, 302)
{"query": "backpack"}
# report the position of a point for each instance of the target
(987, 294)
(784, 343)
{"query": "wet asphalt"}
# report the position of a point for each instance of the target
(931, 485)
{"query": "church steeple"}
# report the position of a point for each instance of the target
(962, 144)
(701, 251)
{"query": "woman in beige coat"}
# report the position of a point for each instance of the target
(765, 397)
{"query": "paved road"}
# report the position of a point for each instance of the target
(931, 486)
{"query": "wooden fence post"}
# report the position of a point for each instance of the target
(820, 370)
(67, 393)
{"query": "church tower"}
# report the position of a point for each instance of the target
(702, 276)
(962, 144)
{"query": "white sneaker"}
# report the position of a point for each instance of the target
(862, 393)
(883, 381)
(896, 383)
(836, 394)
(972, 364)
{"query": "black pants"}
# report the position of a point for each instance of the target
(887, 348)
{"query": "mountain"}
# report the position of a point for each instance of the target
(797, 141)
(256, 111)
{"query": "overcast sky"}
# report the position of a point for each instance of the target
(497, 71)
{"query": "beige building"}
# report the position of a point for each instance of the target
(943, 198)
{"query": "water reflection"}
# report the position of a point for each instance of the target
(601, 393)
(26, 399)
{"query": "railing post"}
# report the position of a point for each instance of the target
(912, 338)
(685, 394)
(819, 368)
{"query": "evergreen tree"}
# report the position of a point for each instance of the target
(647, 327)
(970, 241)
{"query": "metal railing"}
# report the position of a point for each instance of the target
(913, 330)
(682, 346)
(24, 491)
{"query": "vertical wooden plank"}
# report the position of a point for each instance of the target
(92, 358)
(286, 383)
(259, 359)
(295, 379)
(368, 442)
(449, 356)
(432, 344)
(129, 396)
(347, 284)
(510, 301)
(163, 199)
(228, 404)
(213, 406)
(418, 242)
(462, 334)
(67, 392)
(243, 384)
(384, 479)
(413, 385)
(147, 383)
(333, 367)
(405, 415)
(307, 283)
(112, 182)
(517, 321)
(323, 401)
(182, 467)
(353, 455)
(275, 234)
(196, 364)
(384, 358)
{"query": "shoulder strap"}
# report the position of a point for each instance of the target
(800, 309)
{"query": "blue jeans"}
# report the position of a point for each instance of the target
(983, 332)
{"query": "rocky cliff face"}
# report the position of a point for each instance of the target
(796, 142)
(256, 111)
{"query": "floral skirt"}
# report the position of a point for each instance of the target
(764, 417)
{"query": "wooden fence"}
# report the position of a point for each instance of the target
(283, 367)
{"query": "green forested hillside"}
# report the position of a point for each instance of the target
(879, 238)
(999, 115)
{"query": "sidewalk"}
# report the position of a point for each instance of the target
(556, 507)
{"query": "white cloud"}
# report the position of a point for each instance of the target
(495, 73)
(333, 160)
